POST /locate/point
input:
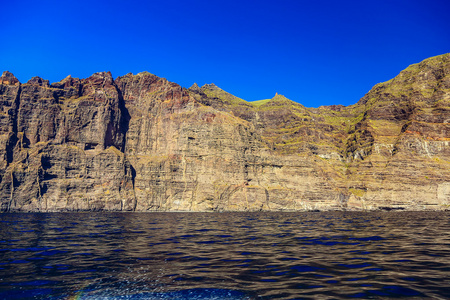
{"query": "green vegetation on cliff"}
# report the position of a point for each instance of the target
(140, 142)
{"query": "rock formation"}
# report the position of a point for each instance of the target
(142, 143)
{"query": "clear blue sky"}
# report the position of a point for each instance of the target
(313, 52)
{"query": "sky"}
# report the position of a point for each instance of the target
(313, 52)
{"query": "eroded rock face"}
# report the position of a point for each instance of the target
(61, 146)
(409, 160)
(140, 142)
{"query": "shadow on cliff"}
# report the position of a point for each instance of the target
(124, 125)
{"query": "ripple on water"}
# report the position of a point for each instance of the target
(335, 255)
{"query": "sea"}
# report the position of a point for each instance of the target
(228, 255)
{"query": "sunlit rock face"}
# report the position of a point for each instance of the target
(140, 142)
(62, 146)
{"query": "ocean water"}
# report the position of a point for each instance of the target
(294, 255)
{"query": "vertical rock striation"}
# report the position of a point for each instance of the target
(62, 146)
(140, 142)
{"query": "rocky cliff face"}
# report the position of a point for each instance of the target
(140, 142)
(62, 146)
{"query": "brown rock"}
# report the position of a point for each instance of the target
(8, 78)
(140, 142)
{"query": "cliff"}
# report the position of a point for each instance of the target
(142, 143)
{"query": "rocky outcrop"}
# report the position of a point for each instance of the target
(62, 146)
(408, 120)
(142, 143)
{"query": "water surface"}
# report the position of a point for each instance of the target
(326, 255)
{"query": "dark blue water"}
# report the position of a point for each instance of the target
(329, 255)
